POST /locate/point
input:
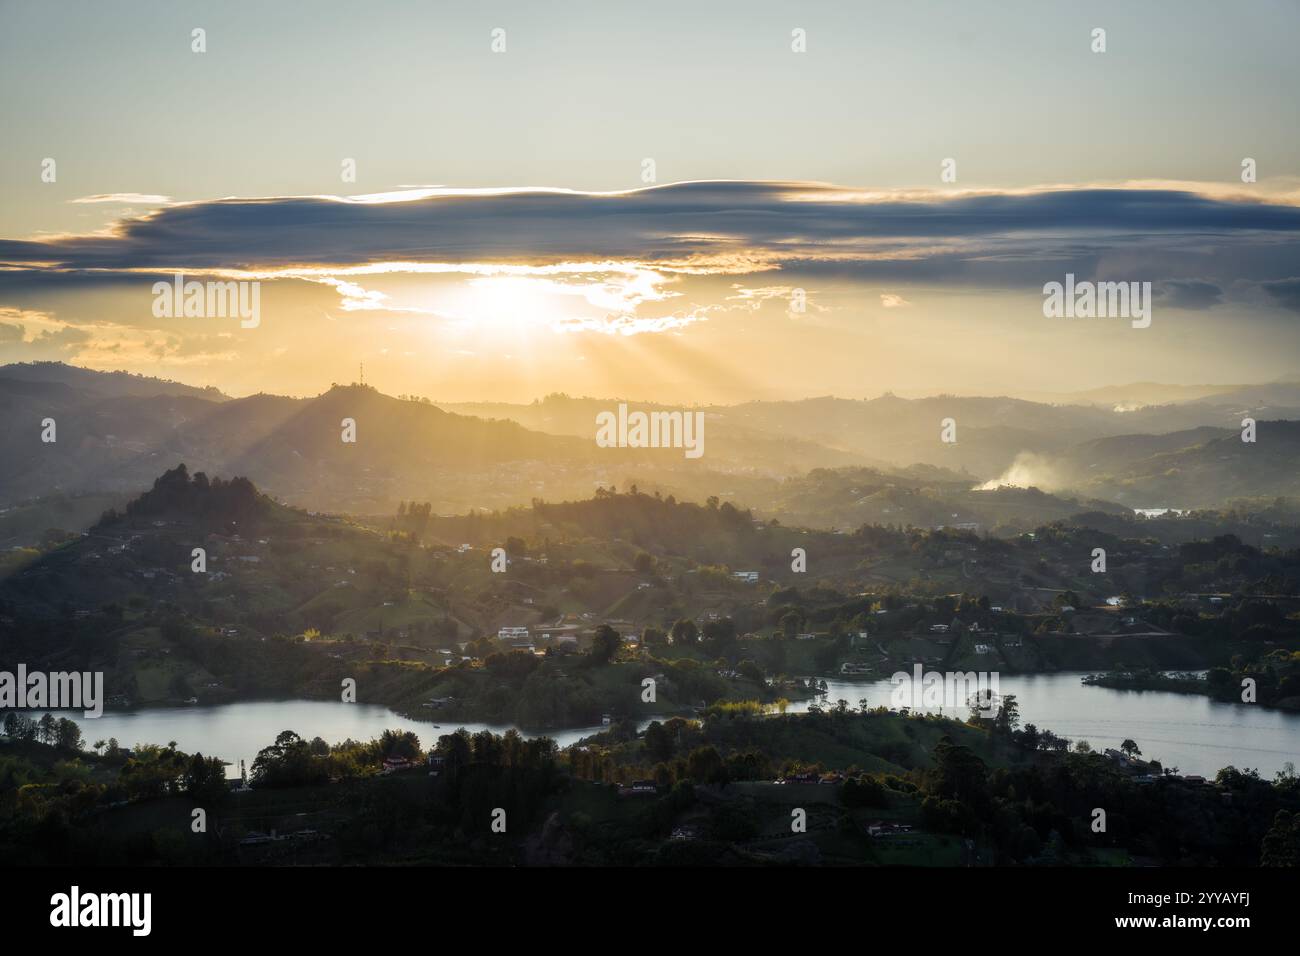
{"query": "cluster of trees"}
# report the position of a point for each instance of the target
(47, 790)
(1042, 811)
(483, 772)
(413, 518)
(717, 639)
(153, 771)
(45, 800)
(58, 732)
(1276, 676)
(1037, 810)
(703, 764)
(729, 745)
(447, 820)
(216, 502)
(292, 761)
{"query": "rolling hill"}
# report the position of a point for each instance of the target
(115, 432)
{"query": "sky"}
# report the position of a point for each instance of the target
(682, 202)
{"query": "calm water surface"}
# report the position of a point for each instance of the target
(1187, 731)
(238, 731)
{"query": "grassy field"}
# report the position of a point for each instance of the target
(401, 614)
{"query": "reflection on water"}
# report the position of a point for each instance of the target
(1193, 733)
(1190, 732)
(238, 731)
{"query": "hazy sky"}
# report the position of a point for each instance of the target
(1119, 165)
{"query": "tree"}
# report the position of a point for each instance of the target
(719, 636)
(948, 816)
(67, 734)
(1029, 737)
(750, 670)
(399, 743)
(154, 771)
(455, 751)
(1281, 845)
(684, 631)
(958, 773)
(205, 778)
(1008, 716)
(704, 765)
(652, 635)
(605, 644)
(1130, 749)
(658, 742)
(288, 762)
(1066, 599)
(46, 731)
(791, 621)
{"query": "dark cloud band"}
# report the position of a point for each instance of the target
(1016, 236)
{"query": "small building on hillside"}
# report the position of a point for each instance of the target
(638, 788)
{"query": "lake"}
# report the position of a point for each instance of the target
(1187, 731)
(238, 731)
(1193, 733)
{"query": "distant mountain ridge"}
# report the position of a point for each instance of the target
(116, 431)
(117, 384)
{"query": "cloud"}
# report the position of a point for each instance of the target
(607, 261)
(127, 199)
(28, 330)
(1189, 294)
(20, 343)
(775, 299)
(1286, 292)
(701, 226)
(627, 325)
(28, 335)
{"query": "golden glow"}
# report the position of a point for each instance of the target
(510, 304)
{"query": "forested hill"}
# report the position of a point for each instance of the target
(214, 504)
(651, 521)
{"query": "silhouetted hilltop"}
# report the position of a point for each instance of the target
(116, 384)
(213, 503)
